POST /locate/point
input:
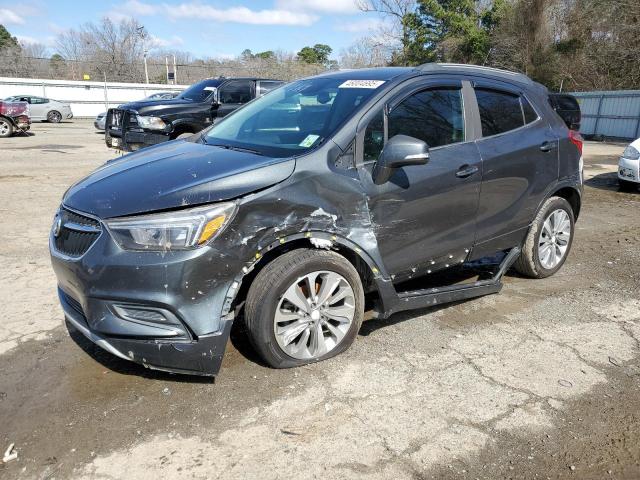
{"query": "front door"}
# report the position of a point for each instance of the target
(424, 216)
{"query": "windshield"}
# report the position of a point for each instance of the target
(294, 118)
(199, 92)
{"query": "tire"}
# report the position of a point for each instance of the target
(6, 128)
(538, 243)
(268, 296)
(627, 186)
(54, 116)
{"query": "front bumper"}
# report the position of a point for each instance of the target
(199, 357)
(123, 133)
(629, 170)
(182, 291)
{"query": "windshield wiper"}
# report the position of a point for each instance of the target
(237, 149)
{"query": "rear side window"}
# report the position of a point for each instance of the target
(266, 86)
(529, 113)
(434, 116)
(236, 92)
(502, 112)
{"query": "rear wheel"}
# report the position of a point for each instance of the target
(6, 128)
(549, 240)
(305, 306)
(54, 116)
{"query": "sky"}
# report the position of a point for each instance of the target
(206, 28)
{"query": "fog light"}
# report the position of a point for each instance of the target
(141, 314)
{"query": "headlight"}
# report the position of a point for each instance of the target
(180, 230)
(152, 123)
(631, 153)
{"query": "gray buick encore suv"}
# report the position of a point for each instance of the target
(349, 191)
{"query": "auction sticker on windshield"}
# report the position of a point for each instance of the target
(361, 84)
(308, 141)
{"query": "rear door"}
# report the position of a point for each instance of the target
(520, 159)
(232, 95)
(424, 216)
(40, 107)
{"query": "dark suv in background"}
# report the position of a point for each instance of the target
(137, 125)
(387, 189)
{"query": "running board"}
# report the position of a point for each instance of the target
(453, 293)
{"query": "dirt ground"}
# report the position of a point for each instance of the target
(539, 381)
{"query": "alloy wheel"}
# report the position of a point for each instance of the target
(4, 128)
(54, 117)
(314, 315)
(554, 239)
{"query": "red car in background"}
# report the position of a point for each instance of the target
(14, 116)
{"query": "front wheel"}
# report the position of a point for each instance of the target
(549, 240)
(54, 117)
(6, 128)
(303, 307)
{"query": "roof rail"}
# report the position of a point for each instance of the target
(477, 69)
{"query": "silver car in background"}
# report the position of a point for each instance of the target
(100, 120)
(43, 108)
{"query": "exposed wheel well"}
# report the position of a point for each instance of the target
(572, 196)
(363, 269)
(182, 128)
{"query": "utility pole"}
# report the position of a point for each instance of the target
(143, 35)
(175, 71)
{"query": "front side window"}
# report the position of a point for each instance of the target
(502, 112)
(201, 91)
(374, 137)
(434, 116)
(293, 119)
(236, 92)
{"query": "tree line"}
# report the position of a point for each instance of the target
(564, 44)
(573, 44)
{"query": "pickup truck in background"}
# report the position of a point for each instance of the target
(136, 125)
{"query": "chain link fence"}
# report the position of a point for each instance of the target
(18, 66)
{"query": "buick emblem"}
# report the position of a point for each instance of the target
(57, 226)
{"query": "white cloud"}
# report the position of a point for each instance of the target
(135, 7)
(364, 25)
(116, 16)
(10, 17)
(239, 15)
(325, 6)
(174, 41)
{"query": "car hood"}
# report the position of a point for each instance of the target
(150, 105)
(173, 175)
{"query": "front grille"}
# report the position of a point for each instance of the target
(116, 119)
(76, 233)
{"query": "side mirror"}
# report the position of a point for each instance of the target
(400, 151)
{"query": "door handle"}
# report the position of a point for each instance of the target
(547, 146)
(466, 171)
